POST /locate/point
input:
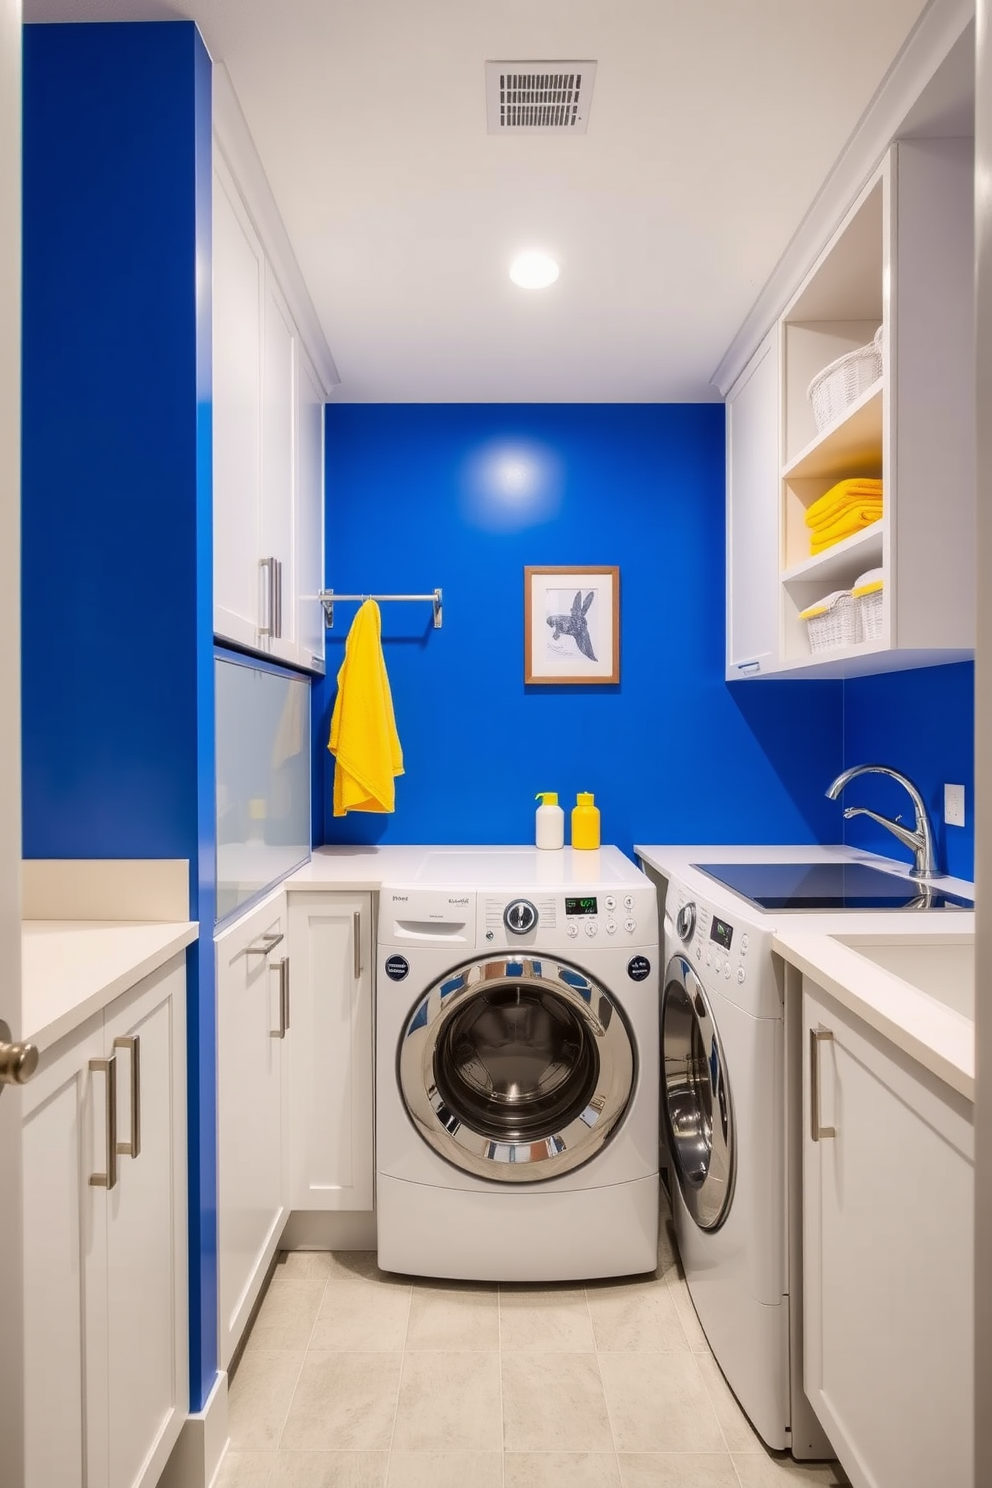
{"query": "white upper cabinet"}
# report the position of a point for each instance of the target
(238, 287)
(268, 435)
(310, 514)
(752, 520)
(900, 262)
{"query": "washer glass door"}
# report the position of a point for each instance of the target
(516, 1069)
(696, 1098)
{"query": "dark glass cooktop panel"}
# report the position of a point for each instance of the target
(829, 886)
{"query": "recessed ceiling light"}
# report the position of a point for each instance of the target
(533, 270)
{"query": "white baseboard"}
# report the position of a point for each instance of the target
(309, 1229)
(197, 1455)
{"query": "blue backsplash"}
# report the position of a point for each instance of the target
(463, 497)
(922, 723)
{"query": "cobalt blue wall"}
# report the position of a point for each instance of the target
(923, 724)
(116, 534)
(463, 496)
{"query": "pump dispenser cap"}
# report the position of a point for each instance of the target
(585, 798)
(548, 798)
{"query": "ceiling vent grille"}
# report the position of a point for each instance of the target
(539, 97)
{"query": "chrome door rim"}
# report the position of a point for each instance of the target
(563, 1146)
(696, 1097)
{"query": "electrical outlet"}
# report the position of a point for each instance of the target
(954, 805)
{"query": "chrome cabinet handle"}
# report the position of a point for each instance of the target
(18, 1062)
(264, 944)
(358, 943)
(284, 993)
(817, 1036)
(132, 1043)
(283, 969)
(277, 598)
(108, 1067)
(268, 567)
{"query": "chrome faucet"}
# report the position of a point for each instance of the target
(920, 839)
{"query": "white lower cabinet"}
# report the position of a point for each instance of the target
(106, 1365)
(332, 1110)
(888, 1181)
(253, 1018)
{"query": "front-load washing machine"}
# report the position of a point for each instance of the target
(517, 1095)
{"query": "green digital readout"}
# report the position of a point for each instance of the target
(722, 933)
(581, 906)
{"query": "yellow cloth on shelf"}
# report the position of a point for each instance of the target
(858, 491)
(852, 521)
(363, 737)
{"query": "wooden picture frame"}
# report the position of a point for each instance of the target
(572, 625)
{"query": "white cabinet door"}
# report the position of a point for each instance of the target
(106, 1366)
(888, 1205)
(276, 538)
(64, 1263)
(331, 1058)
(752, 515)
(238, 297)
(310, 517)
(146, 1232)
(250, 1036)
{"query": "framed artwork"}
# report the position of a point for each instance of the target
(571, 624)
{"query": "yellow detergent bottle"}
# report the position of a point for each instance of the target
(585, 822)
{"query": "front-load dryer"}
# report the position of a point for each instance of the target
(517, 1097)
(724, 1103)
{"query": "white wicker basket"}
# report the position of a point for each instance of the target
(832, 622)
(842, 382)
(867, 593)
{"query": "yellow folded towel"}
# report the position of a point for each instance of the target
(846, 493)
(363, 737)
(852, 521)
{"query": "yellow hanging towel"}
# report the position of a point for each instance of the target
(363, 738)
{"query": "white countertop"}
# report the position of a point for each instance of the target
(74, 968)
(938, 1036)
(431, 864)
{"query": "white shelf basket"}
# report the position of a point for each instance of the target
(842, 382)
(832, 622)
(867, 594)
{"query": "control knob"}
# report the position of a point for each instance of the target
(519, 916)
(685, 922)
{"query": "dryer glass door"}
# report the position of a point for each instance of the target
(516, 1069)
(696, 1098)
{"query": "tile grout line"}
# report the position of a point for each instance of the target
(502, 1419)
(399, 1385)
(602, 1381)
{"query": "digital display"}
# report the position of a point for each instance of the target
(581, 906)
(722, 933)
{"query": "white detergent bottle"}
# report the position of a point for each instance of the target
(549, 821)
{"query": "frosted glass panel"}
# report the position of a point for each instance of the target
(263, 780)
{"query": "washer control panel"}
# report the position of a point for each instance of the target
(622, 917)
(716, 945)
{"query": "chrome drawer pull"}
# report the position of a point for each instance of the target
(264, 944)
(817, 1036)
(133, 1045)
(108, 1067)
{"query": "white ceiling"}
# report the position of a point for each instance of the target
(712, 127)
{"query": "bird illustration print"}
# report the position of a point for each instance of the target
(574, 624)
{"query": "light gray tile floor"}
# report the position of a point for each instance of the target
(352, 1378)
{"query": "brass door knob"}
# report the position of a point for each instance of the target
(18, 1062)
